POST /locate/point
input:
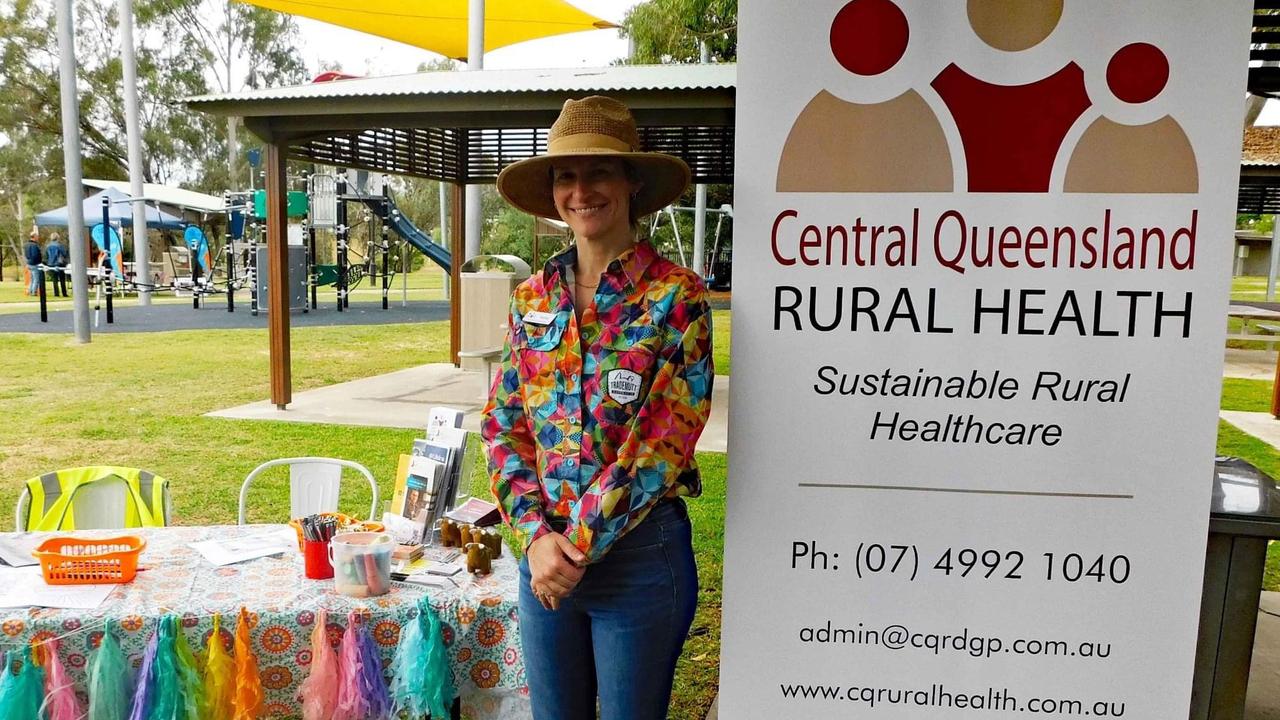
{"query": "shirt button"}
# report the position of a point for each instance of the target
(573, 420)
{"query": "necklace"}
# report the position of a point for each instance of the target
(581, 284)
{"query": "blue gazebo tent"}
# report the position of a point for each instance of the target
(119, 213)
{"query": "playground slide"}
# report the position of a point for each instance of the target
(410, 232)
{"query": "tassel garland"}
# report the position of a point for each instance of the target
(247, 698)
(373, 687)
(422, 683)
(219, 680)
(108, 680)
(144, 691)
(188, 676)
(60, 701)
(22, 694)
(319, 692)
(439, 677)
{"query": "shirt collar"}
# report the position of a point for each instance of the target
(632, 263)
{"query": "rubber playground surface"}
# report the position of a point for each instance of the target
(163, 317)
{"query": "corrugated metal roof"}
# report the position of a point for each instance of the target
(565, 80)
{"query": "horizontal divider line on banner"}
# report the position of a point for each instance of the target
(974, 491)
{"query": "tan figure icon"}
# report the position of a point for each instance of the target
(1153, 158)
(840, 146)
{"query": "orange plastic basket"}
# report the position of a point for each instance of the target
(73, 561)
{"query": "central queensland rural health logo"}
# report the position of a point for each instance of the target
(1012, 137)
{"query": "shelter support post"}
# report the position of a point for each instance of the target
(277, 277)
(1273, 266)
(458, 234)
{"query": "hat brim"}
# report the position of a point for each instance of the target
(527, 184)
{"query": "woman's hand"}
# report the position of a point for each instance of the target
(555, 568)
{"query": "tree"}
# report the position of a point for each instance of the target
(670, 31)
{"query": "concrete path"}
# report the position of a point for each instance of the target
(1250, 364)
(401, 400)
(1262, 702)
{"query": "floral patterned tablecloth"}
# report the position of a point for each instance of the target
(478, 618)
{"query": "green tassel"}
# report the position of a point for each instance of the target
(168, 687)
(109, 694)
(439, 675)
(189, 676)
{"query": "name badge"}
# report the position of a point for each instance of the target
(541, 319)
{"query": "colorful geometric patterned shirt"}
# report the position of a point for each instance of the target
(588, 427)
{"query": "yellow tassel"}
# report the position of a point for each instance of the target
(247, 702)
(219, 685)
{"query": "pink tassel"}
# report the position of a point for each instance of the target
(319, 691)
(60, 700)
(351, 704)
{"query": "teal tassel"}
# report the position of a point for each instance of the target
(439, 676)
(409, 669)
(168, 688)
(108, 680)
(188, 676)
(22, 696)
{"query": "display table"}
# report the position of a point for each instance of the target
(478, 618)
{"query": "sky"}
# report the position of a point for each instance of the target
(362, 54)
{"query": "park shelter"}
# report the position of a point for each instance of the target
(463, 128)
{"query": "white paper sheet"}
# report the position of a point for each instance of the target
(248, 547)
(25, 587)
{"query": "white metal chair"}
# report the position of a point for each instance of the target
(314, 485)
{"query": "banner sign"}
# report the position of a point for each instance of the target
(980, 295)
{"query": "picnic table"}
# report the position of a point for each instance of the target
(478, 618)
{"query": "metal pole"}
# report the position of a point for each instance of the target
(386, 248)
(1274, 265)
(44, 302)
(229, 250)
(341, 237)
(404, 273)
(72, 171)
(311, 269)
(141, 248)
(475, 61)
(109, 281)
(700, 200)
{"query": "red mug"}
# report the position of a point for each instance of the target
(315, 559)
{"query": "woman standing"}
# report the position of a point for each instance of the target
(591, 424)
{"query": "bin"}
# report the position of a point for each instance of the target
(1243, 518)
(486, 302)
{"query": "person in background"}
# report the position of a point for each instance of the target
(34, 258)
(55, 257)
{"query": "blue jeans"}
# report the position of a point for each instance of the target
(620, 631)
(34, 287)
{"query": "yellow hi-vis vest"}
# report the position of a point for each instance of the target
(53, 497)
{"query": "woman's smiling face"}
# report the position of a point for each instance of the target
(593, 195)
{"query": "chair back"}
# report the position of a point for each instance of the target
(314, 485)
(313, 488)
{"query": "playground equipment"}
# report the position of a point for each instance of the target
(716, 270)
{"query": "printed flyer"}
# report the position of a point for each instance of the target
(981, 270)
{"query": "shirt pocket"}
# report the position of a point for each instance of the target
(627, 366)
(537, 350)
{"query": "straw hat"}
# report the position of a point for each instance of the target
(594, 127)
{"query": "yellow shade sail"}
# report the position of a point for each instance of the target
(441, 25)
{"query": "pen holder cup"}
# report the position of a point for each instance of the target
(315, 560)
(361, 563)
